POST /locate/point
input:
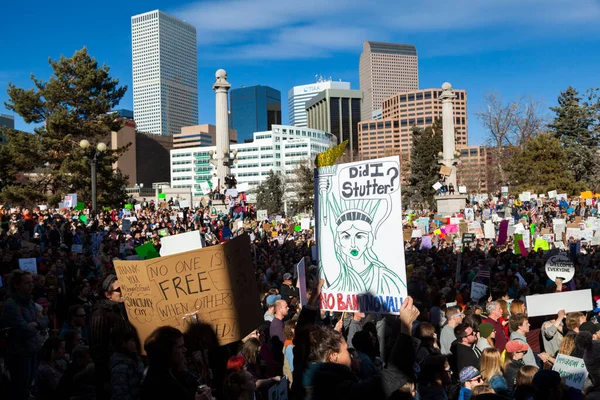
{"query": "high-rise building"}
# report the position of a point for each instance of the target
(299, 95)
(254, 109)
(336, 111)
(165, 73)
(386, 69)
(7, 121)
(420, 108)
(199, 135)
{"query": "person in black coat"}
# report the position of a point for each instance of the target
(464, 351)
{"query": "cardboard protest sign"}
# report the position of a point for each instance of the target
(359, 210)
(549, 304)
(28, 264)
(214, 285)
(560, 266)
(180, 243)
(572, 369)
(478, 290)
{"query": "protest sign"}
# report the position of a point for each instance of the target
(572, 369)
(146, 251)
(214, 286)
(77, 248)
(426, 243)
(301, 282)
(587, 195)
(549, 304)
(205, 187)
(261, 215)
(126, 225)
(416, 233)
(305, 224)
(560, 266)
(137, 207)
(436, 186)
(469, 215)
(184, 203)
(242, 187)
(231, 192)
(180, 243)
(552, 194)
(279, 391)
(359, 210)
(541, 244)
(68, 202)
(504, 190)
(468, 238)
(503, 233)
(525, 196)
(489, 230)
(28, 264)
(478, 290)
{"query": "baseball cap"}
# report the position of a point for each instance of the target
(271, 299)
(287, 276)
(468, 373)
(514, 345)
(589, 327)
(597, 309)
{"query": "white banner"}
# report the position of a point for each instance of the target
(549, 304)
(359, 210)
(572, 369)
(478, 290)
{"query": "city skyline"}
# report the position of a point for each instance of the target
(516, 49)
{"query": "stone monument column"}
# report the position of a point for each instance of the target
(221, 88)
(449, 204)
(449, 157)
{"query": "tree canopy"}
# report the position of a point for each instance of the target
(269, 194)
(74, 104)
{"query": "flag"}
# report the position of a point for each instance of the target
(483, 272)
(533, 214)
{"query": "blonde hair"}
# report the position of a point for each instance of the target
(567, 345)
(491, 363)
(517, 307)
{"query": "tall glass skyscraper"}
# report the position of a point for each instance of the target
(254, 109)
(165, 73)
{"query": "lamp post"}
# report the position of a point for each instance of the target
(228, 158)
(93, 154)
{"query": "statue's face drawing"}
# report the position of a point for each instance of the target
(353, 238)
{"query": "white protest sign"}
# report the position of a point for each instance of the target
(549, 304)
(504, 189)
(43, 207)
(527, 239)
(28, 264)
(184, 203)
(360, 209)
(231, 192)
(548, 237)
(240, 224)
(559, 245)
(552, 194)
(180, 243)
(301, 282)
(137, 207)
(77, 248)
(469, 215)
(278, 218)
(588, 202)
(572, 369)
(560, 266)
(205, 187)
(68, 201)
(478, 290)
(305, 224)
(261, 215)
(436, 186)
(416, 233)
(242, 187)
(525, 196)
(279, 391)
(462, 189)
(562, 196)
(489, 230)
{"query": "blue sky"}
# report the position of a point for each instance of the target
(532, 48)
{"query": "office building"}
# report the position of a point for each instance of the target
(386, 69)
(124, 113)
(336, 111)
(299, 95)
(280, 149)
(7, 121)
(254, 109)
(165, 73)
(473, 169)
(199, 136)
(393, 134)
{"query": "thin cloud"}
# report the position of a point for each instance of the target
(285, 29)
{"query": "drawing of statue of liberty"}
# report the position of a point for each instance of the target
(354, 228)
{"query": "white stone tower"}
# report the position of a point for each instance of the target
(222, 156)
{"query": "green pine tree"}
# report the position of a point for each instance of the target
(304, 188)
(74, 104)
(540, 167)
(269, 194)
(573, 126)
(424, 167)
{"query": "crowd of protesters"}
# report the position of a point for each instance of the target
(65, 333)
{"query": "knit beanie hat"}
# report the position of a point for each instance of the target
(486, 329)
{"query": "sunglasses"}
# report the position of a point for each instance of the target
(477, 379)
(522, 352)
(117, 290)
